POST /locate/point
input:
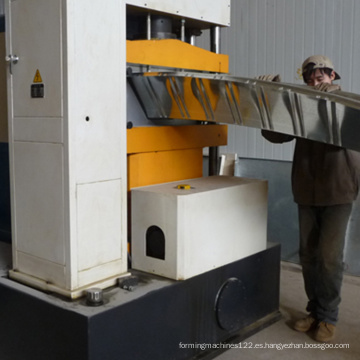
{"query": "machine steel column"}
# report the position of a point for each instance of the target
(214, 151)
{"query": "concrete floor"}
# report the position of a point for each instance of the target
(292, 306)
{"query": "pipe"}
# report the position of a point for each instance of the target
(148, 27)
(215, 39)
(183, 30)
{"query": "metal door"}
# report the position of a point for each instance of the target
(34, 55)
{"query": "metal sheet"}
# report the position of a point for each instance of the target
(297, 110)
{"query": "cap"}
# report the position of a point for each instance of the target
(320, 62)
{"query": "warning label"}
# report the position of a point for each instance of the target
(37, 77)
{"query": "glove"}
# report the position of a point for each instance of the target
(270, 77)
(327, 87)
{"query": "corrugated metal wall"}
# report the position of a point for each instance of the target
(274, 37)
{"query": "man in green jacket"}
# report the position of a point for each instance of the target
(325, 184)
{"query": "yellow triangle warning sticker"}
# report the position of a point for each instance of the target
(37, 77)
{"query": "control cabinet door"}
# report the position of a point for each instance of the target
(36, 141)
(35, 33)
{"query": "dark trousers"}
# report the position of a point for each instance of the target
(322, 239)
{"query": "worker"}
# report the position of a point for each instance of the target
(324, 184)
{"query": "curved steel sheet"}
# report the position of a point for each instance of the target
(298, 110)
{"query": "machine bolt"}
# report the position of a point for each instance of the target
(94, 297)
(128, 283)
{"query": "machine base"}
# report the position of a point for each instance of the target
(48, 287)
(160, 319)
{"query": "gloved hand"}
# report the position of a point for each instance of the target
(269, 77)
(327, 87)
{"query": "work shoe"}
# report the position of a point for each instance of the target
(305, 324)
(325, 332)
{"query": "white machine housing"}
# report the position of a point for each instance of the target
(220, 219)
(67, 147)
(209, 11)
(67, 136)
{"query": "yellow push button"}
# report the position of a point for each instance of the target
(184, 187)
